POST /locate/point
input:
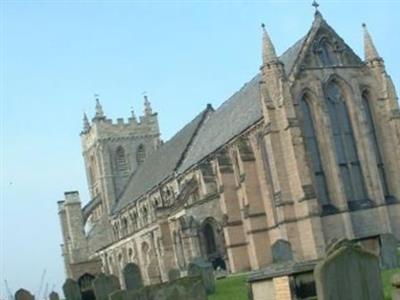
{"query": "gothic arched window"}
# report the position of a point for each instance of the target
(120, 159)
(313, 151)
(378, 156)
(208, 232)
(124, 226)
(110, 264)
(140, 154)
(345, 144)
(130, 254)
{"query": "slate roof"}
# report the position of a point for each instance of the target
(235, 115)
(290, 55)
(203, 135)
(96, 237)
(161, 163)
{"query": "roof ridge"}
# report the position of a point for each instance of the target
(205, 113)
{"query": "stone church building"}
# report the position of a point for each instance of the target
(306, 152)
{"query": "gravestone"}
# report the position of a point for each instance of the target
(389, 258)
(22, 294)
(188, 288)
(174, 274)
(125, 295)
(395, 281)
(204, 269)
(54, 296)
(114, 282)
(86, 287)
(281, 251)
(118, 295)
(132, 277)
(71, 290)
(348, 273)
(104, 285)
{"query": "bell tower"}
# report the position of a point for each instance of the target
(112, 151)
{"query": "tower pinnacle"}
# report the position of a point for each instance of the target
(99, 109)
(86, 125)
(147, 106)
(268, 52)
(370, 51)
(133, 116)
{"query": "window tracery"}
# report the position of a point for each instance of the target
(345, 144)
(328, 52)
(373, 136)
(314, 151)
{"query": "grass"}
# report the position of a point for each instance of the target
(235, 288)
(230, 288)
(386, 275)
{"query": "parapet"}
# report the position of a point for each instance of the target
(60, 205)
(72, 197)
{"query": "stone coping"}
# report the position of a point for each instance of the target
(282, 269)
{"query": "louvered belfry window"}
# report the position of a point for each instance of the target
(345, 144)
(121, 159)
(140, 154)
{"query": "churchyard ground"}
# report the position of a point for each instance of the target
(234, 287)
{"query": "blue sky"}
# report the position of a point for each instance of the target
(55, 55)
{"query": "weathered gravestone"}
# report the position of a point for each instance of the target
(104, 285)
(22, 294)
(395, 281)
(348, 273)
(281, 251)
(132, 277)
(122, 295)
(183, 289)
(188, 288)
(71, 290)
(86, 286)
(54, 296)
(144, 293)
(204, 269)
(174, 274)
(389, 258)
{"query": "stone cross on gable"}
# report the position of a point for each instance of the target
(315, 4)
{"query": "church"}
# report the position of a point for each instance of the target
(305, 153)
